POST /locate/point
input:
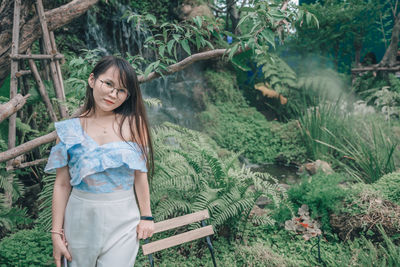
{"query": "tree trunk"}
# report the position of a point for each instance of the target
(233, 14)
(389, 59)
(30, 28)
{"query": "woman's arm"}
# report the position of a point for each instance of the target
(145, 228)
(61, 192)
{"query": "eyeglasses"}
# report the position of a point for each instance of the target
(121, 92)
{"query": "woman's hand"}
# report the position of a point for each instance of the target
(60, 249)
(145, 229)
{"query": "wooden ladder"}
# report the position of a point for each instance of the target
(51, 56)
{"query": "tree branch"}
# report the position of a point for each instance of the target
(12, 106)
(31, 30)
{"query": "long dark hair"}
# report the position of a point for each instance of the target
(132, 109)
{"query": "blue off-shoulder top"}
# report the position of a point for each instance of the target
(94, 168)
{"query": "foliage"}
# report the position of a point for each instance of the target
(45, 199)
(313, 123)
(362, 210)
(278, 76)
(303, 224)
(389, 185)
(382, 91)
(227, 253)
(290, 146)
(234, 125)
(27, 248)
(191, 177)
(322, 193)
(370, 153)
(12, 216)
(345, 28)
(239, 129)
(223, 88)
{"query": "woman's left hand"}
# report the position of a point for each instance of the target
(145, 229)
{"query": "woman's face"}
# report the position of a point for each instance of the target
(108, 92)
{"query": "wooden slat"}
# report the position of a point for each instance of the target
(180, 221)
(177, 239)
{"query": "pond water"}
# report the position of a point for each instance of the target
(285, 174)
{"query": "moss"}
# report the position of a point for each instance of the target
(389, 186)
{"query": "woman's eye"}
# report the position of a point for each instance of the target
(121, 91)
(109, 84)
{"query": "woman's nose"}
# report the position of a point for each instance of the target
(114, 93)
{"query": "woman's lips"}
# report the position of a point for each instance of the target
(108, 101)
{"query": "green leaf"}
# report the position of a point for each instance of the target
(151, 18)
(269, 36)
(165, 32)
(148, 39)
(148, 69)
(233, 50)
(198, 43)
(161, 50)
(169, 46)
(246, 9)
(198, 21)
(185, 46)
(176, 37)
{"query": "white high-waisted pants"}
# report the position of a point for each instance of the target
(101, 228)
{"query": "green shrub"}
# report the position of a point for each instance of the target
(322, 193)
(389, 185)
(223, 88)
(237, 129)
(27, 248)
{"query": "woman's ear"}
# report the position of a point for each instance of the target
(91, 80)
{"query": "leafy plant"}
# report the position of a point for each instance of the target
(192, 177)
(27, 248)
(321, 193)
(389, 185)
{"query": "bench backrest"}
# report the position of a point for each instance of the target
(180, 238)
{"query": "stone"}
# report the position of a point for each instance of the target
(313, 167)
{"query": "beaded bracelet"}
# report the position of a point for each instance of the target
(147, 218)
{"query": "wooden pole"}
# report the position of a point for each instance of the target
(13, 90)
(58, 67)
(42, 89)
(53, 69)
(37, 56)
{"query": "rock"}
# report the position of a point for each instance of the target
(313, 167)
(191, 9)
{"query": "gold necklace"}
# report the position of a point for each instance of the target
(104, 128)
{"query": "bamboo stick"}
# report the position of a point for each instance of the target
(42, 89)
(58, 67)
(49, 50)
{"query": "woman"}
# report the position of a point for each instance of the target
(103, 157)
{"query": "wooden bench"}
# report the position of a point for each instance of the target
(204, 231)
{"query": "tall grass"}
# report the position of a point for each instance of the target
(368, 152)
(361, 149)
(312, 123)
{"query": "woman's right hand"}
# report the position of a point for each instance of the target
(59, 250)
